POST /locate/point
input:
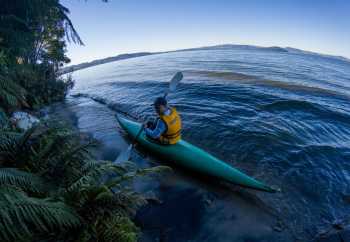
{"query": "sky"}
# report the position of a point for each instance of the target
(127, 26)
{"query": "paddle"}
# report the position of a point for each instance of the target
(125, 155)
(173, 83)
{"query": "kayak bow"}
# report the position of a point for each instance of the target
(194, 158)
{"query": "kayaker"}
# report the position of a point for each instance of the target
(167, 127)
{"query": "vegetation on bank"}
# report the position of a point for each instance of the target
(33, 38)
(51, 187)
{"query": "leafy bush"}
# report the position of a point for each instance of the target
(42, 84)
(3, 119)
(12, 95)
(50, 185)
(33, 38)
(32, 86)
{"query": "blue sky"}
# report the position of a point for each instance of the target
(125, 26)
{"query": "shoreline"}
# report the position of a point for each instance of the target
(190, 206)
(187, 207)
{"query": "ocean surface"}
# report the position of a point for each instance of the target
(281, 117)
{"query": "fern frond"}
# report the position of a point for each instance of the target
(104, 165)
(26, 136)
(93, 172)
(13, 146)
(119, 228)
(23, 216)
(11, 94)
(24, 180)
(137, 173)
(128, 201)
(153, 170)
(3, 119)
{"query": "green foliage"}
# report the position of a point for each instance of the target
(51, 188)
(33, 36)
(42, 84)
(22, 215)
(8, 93)
(11, 93)
(35, 30)
(50, 184)
(14, 147)
(117, 228)
(3, 119)
(24, 180)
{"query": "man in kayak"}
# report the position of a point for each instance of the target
(167, 127)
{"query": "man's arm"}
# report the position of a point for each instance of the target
(158, 131)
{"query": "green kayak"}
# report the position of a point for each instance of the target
(192, 157)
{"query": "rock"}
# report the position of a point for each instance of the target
(23, 120)
(44, 113)
(333, 237)
(338, 225)
(339, 232)
(345, 233)
(346, 198)
(207, 199)
(278, 227)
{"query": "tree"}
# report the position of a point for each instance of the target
(29, 29)
(33, 37)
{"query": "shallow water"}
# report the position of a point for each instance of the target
(282, 118)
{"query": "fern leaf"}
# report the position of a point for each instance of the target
(23, 216)
(24, 180)
(119, 228)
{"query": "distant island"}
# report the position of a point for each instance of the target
(84, 65)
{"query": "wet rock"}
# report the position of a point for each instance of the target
(44, 113)
(338, 224)
(208, 199)
(345, 233)
(339, 232)
(152, 198)
(279, 226)
(346, 198)
(23, 120)
(333, 237)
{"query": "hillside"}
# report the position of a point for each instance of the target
(215, 47)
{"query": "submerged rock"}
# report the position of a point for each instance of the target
(346, 198)
(279, 226)
(339, 232)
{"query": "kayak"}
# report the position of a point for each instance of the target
(191, 157)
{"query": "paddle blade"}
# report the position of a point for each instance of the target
(174, 81)
(124, 155)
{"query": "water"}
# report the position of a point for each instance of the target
(281, 117)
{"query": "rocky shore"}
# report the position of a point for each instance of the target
(186, 207)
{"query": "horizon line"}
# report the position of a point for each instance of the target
(345, 58)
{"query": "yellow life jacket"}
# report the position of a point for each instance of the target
(173, 122)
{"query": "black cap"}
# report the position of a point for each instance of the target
(160, 101)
